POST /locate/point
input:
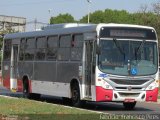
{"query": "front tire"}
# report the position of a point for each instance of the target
(76, 96)
(129, 105)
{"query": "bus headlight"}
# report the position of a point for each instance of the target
(152, 86)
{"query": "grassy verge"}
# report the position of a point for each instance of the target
(24, 109)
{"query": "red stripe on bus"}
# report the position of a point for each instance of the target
(103, 94)
(30, 86)
(20, 86)
(152, 95)
(6, 84)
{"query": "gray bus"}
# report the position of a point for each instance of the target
(79, 62)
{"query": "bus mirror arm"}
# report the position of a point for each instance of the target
(98, 50)
(93, 69)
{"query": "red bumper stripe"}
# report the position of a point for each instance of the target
(152, 95)
(103, 94)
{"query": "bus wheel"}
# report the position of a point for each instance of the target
(129, 105)
(26, 93)
(75, 95)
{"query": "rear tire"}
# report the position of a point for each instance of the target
(129, 106)
(26, 93)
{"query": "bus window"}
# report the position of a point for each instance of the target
(64, 50)
(30, 49)
(41, 48)
(7, 50)
(22, 49)
(52, 45)
(76, 47)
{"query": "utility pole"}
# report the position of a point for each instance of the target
(35, 24)
(89, 4)
(49, 11)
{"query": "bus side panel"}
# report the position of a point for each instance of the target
(44, 78)
(20, 85)
(6, 74)
(53, 78)
(6, 77)
(45, 71)
(67, 72)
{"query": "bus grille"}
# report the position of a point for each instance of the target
(129, 94)
(129, 82)
(126, 88)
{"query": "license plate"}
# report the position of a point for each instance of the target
(129, 100)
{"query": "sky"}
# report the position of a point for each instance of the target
(39, 9)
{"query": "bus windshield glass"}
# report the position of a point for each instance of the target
(128, 57)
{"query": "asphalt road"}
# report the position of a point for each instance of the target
(142, 108)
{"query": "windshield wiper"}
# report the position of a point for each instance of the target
(139, 49)
(118, 46)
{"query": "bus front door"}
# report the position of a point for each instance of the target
(13, 68)
(88, 68)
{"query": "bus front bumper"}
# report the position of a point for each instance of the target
(125, 96)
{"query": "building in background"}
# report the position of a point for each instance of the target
(8, 23)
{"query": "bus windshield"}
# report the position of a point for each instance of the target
(128, 57)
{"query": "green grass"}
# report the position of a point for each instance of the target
(32, 110)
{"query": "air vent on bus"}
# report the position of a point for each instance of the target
(65, 25)
(129, 82)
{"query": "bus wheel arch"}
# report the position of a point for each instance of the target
(27, 90)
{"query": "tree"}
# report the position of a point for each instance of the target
(96, 17)
(108, 16)
(62, 18)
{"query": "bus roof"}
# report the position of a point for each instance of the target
(68, 28)
(54, 30)
(123, 25)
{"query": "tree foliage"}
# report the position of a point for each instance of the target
(108, 16)
(141, 17)
(62, 18)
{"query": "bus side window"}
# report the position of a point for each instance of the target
(7, 50)
(52, 45)
(41, 48)
(22, 49)
(76, 47)
(64, 50)
(30, 49)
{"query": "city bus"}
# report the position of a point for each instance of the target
(84, 62)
